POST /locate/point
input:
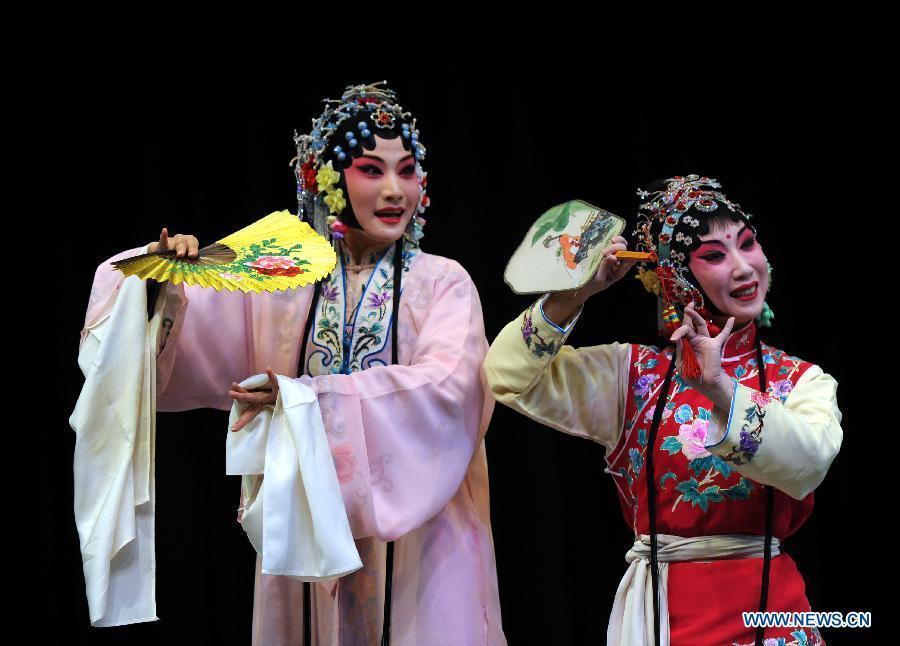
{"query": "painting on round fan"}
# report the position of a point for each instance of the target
(563, 248)
(275, 253)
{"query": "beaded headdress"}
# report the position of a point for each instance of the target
(667, 221)
(372, 109)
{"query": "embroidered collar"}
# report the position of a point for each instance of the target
(339, 345)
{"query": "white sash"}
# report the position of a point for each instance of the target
(631, 619)
(294, 514)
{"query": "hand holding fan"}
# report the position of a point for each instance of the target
(563, 248)
(275, 253)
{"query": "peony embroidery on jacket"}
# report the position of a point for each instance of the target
(706, 472)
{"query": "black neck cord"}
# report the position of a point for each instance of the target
(651, 502)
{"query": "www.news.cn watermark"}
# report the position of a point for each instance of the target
(810, 619)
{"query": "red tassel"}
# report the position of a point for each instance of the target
(690, 366)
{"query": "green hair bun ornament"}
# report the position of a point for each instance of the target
(766, 316)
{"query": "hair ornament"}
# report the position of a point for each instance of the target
(383, 119)
(649, 280)
(327, 177)
(371, 107)
(706, 204)
(660, 213)
(335, 201)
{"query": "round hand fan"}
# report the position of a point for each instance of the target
(563, 248)
(275, 253)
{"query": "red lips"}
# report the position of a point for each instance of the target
(748, 295)
(389, 215)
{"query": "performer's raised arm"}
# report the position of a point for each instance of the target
(786, 437)
(788, 442)
(577, 391)
(107, 280)
(207, 339)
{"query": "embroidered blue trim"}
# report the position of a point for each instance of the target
(370, 359)
(324, 350)
(730, 413)
(565, 330)
(348, 350)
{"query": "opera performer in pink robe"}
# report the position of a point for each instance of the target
(406, 439)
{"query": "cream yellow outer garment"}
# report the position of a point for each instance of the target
(582, 392)
(577, 391)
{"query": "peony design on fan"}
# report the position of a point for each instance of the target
(275, 253)
(278, 265)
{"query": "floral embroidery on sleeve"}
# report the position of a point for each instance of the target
(788, 366)
(781, 388)
(751, 436)
(533, 339)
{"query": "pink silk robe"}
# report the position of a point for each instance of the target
(407, 442)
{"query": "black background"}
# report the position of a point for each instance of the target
(146, 118)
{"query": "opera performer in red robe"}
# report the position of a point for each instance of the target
(712, 472)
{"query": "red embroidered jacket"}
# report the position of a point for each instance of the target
(710, 466)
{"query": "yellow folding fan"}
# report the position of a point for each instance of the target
(275, 253)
